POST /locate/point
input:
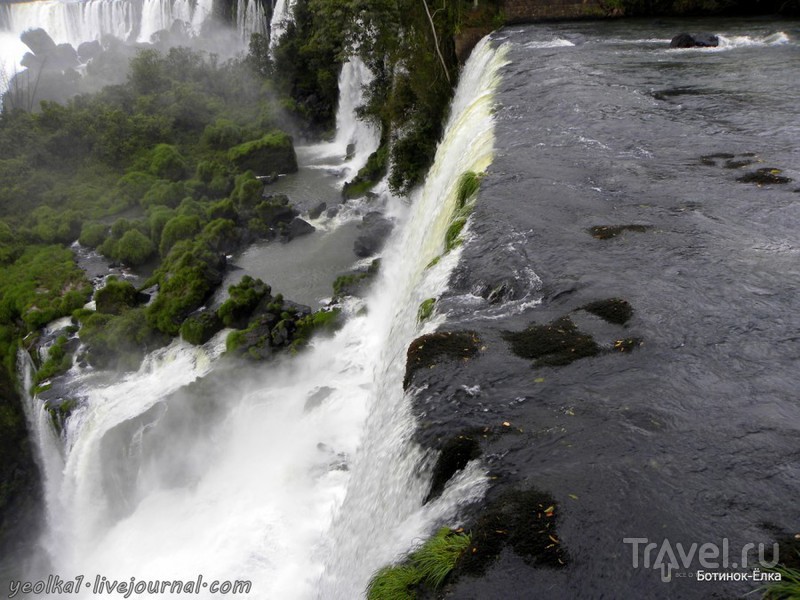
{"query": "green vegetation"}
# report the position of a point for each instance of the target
(427, 566)
(701, 7)
(58, 361)
(788, 588)
(426, 309)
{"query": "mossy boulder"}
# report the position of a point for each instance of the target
(429, 350)
(556, 344)
(243, 299)
(272, 153)
(200, 327)
(116, 297)
(277, 327)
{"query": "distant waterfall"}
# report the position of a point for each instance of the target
(281, 17)
(364, 136)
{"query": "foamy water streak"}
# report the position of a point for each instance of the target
(300, 478)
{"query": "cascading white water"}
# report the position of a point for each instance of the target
(129, 20)
(364, 136)
(282, 15)
(302, 478)
(381, 515)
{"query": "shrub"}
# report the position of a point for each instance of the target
(273, 153)
(244, 298)
(201, 327)
(134, 248)
(177, 229)
(115, 297)
(166, 162)
(93, 234)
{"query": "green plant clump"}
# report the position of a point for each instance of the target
(425, 309)
(428, 566)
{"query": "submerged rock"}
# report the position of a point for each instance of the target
(525, 520)
(765, 176)
(697, 40)
(613, 310)
(317, 211)
(606, 232)
(556, 344)
(375, 228)
(298, 227)
(454, 456)
(429, 350)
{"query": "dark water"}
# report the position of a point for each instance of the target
(693, 437)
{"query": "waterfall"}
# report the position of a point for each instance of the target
(363, 136)
(281, 17)
(298, 476)
(380, 516)
(129, 20)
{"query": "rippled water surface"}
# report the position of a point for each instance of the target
(692, 437)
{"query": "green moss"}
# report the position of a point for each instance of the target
(349, 284)
(115, 297)
(468, 185)
(58, 361)
(272, 153)
(427, 566)
(452, 237)
(369, 175)
(243, 299)
(425, 309)
(197, 329)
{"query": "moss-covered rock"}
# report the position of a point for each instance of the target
(429, 350)
(115, 297)
(243, 299)
(272, 153)
(426, 309)
(200, 327)
(556, 344)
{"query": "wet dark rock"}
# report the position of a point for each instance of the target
(298, 227)
(556, 344)
(350, 151)
(332, 212)
(89, 50)
(501, 292)
(355, 282)
(317, 398)
(738, 164)
(765, 176)
(375, 228)
(613, 310)
(317, 211)
(455, 454)
(429, 350)
(525, 520)
(697, 40)
(39, 41)
(606, 232)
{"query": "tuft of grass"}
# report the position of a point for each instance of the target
(429, 565)
(425, 309)
(468, 185)
(452, 237)
(788, 588)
